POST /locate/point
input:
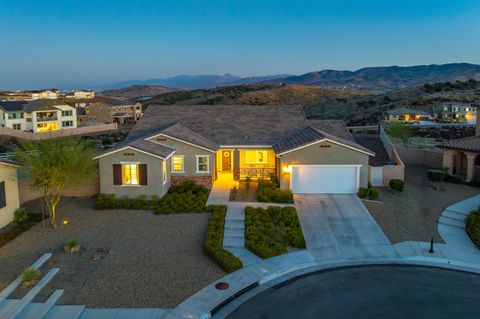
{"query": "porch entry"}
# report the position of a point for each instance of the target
(226, 161)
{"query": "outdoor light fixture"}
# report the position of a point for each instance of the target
(287, 169)
(65, 222)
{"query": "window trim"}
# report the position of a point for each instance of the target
(164, 172)
(183, 164)
(256, 157)
(197, 164)
(138, 173)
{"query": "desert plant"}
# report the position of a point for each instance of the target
(71, 246)
(30, 277)
(20, 216)
(55, 165)
(436, 176)
(399, 130)
(397, 185)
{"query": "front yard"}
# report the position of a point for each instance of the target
(413, 214)
(153, 260)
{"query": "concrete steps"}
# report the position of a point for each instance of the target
(451, 222)
(454, 215)
(233, 242)
(234, 224)
(234, 232)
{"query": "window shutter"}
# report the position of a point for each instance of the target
(3, 199)
(142, 172)
(117, 174)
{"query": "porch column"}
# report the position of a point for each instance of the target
(470, 167)
(448, 160)
(236, 164)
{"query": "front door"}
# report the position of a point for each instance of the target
(226, 161)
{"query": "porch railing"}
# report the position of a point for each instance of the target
(257, 173)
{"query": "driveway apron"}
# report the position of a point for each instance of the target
(337, 220)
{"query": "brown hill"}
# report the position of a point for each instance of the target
(138, 91)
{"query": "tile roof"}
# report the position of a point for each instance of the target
(142, 145)
(404, 110)
(12, 105)
(40, 105)
(184, 133)
(471, 144)
(212, 126)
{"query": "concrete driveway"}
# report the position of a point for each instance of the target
(337, 219)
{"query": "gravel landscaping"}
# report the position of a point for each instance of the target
(413, 214)
(153, 260)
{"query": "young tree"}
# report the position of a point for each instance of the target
(53, 165)
(399, 130)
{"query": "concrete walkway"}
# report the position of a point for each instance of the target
(451, 224)
(337, 220)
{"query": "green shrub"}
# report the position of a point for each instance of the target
(268, 192)
(71, 243)
(213, 243)
(30, 276)
(453, 179)
(473, 227)
(272, 231)
(368, 192)
(396, 185)
(20, 216)
(436, 175)
(373, 193)
(363, 192)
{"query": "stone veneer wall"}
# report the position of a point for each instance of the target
(200, 180)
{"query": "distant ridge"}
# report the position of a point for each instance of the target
(372, 79)
(386, 78)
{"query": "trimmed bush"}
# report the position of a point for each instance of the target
(397, 185)
(20, 217)
(268, 192)
(272, 231)
(436, 176)
(186, 197)
(473, 227)
(213, 243)
(368, 192)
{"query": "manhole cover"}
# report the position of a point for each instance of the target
(222, 285)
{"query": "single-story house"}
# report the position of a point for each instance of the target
(9, 200)
(172, 143)
(406, 114)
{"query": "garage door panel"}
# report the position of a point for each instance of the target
(324, 179)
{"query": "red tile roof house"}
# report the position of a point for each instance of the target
(172, 143)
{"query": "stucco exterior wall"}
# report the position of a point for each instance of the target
(189, 152)
(324, 153)
(8, 174)
(154, 185)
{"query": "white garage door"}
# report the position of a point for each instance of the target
(324, 179)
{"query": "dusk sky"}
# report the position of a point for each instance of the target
(68, 44)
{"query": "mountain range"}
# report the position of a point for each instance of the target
(371, 79)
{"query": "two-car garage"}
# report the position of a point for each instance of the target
(334, 179)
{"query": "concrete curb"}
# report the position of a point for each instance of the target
(284, 267)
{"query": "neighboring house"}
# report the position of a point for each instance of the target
(173, 143)
(111, 110)
(27, 95)
(456, 111)
(37, 116)
(9, 200)
(83, 94)
(406, 114)
(461, 157)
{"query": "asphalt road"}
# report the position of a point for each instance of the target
(370, 292)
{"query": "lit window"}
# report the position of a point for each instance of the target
(256, 157)
(202, 163)
(130, 174)
(164, 171)
(177, 163)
